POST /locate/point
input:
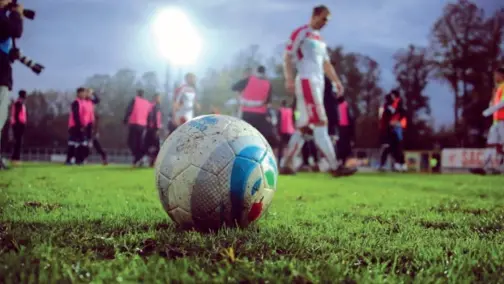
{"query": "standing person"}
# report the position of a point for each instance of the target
(254, 103)
(136, 117)
(392, 124)
(495, 139)
(286, 127)
(18, 123)
(185, 101)
(309, 52)
(11, 26)
(154, 124)
(345, 130)
(92, 128)
(77, 121)
(246, 74)
(340, 122)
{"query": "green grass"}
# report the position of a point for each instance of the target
(95, 224)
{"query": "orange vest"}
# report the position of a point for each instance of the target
(22, 114)
(499, 97)
(396, 117)
(287, 125)
(140, 112)
(82, 114)
(257, 90)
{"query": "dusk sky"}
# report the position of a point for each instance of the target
(75, 39)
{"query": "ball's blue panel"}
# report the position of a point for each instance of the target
(254, 153)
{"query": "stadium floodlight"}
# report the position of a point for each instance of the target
(177, 38)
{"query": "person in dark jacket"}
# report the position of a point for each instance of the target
(154, 125)
(77, 129)
(392, 122)
(11, 26)
(345, 130)
(340, 122)
(255, 100)
(93, 128)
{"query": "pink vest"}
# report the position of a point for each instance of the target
(82, 114)
(256, 90)
(343, 114)
(287, 126)
(22, 114)
(157, 122)
(140, 112)
(90, 115)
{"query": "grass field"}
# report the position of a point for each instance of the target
(95, 224)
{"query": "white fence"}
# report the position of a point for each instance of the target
(449, 160)
(119, 156)
(362, 157)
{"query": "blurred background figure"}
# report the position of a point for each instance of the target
(93, 129)
(255, 99)
(77, 120)
(495, 139)
(392, 124)
(18, 122)
(136, 117)
(345, 131)
(185, 101)
(154, 125)
(285, 127)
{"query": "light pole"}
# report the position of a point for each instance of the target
(178, 42)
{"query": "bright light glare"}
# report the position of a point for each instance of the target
(177, 38)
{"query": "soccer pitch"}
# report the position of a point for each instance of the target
(106, 224)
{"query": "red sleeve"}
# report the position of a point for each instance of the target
(295, 39)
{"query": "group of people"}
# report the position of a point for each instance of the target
(83, 128)
(144, 119)
(278, 124)
(320, 120)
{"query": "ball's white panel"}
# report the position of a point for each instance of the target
(171, 159)
(268, 194)
(198, 142)
(216, 159)
(163, 186)
(181, 217)
(182, 187)
(209, 125)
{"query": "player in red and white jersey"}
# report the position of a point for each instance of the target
(184, 100)
(307, 50)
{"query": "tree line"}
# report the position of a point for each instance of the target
(465, 46)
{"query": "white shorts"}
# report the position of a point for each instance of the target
(183, 117)
(496, 134)
(310, 101)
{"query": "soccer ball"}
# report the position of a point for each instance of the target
(216, 171)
